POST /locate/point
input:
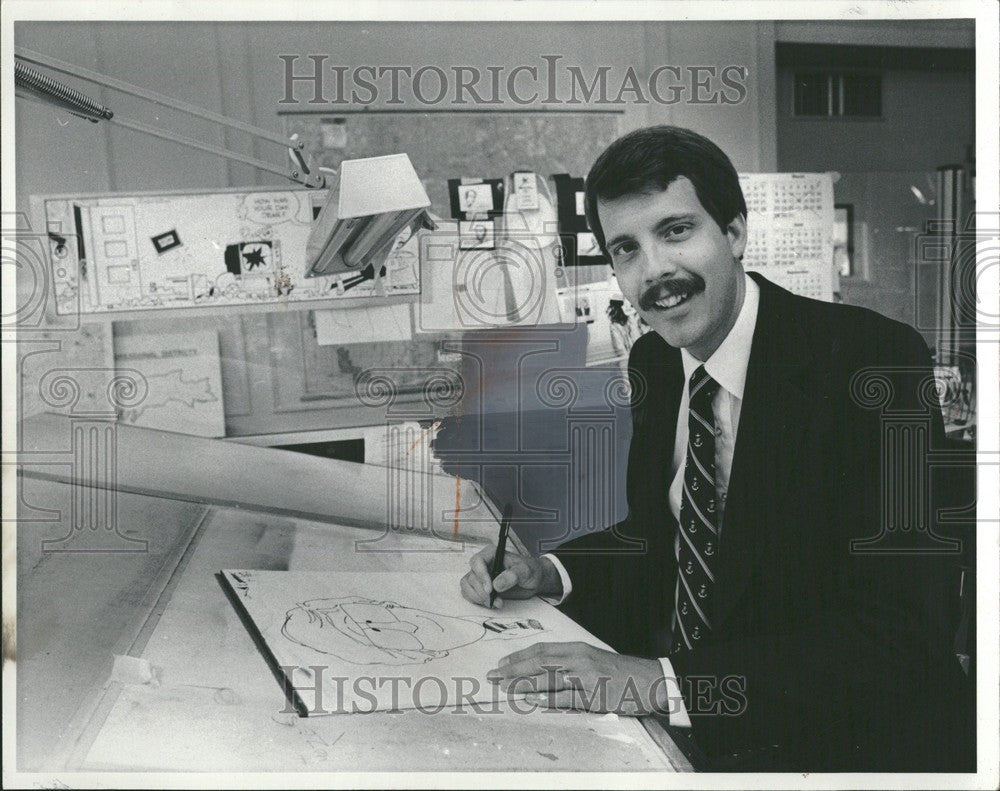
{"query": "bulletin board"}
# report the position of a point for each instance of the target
(204, 256)
(232, 261)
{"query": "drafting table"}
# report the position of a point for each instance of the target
(203, 697)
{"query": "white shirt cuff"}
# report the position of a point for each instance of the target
(567, 586)
(677, 713)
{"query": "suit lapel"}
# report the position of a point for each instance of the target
(657, 434)
(656, 426)
(768, 451)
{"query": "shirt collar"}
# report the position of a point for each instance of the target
(728, 365)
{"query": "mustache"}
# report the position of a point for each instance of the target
(669, 287)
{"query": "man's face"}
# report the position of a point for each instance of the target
(675, 265)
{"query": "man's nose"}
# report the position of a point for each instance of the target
(659, 263)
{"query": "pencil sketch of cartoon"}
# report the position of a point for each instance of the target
(366, 632)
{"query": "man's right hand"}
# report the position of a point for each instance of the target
(522, 578)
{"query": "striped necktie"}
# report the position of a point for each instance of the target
(698, 544)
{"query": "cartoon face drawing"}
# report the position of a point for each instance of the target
(379, 624)
(365, 631)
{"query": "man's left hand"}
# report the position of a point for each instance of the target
(581, 676)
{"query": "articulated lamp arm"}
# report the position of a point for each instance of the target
(33, 84)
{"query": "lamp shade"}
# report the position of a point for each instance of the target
(372, 202)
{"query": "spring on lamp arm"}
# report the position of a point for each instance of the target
(36, 82)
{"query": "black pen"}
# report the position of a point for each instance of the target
(501, 550)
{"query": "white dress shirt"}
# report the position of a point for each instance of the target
(728, 367)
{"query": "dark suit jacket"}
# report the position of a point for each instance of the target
(841, 658)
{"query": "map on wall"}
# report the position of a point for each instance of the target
(309, 373)
(145, 252)
(181, 381)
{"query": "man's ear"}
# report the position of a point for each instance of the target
(736, 233)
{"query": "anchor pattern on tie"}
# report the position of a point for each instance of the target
(698, 544)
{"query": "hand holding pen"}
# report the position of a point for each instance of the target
(517, 576)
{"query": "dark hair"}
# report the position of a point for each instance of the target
(649, 160)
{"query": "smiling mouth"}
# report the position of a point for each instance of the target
(671, 302)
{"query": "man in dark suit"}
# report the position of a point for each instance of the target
(740, 593)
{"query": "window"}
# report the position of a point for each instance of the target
(843, 239)
(838, 94)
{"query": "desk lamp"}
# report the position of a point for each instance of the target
(370, 202)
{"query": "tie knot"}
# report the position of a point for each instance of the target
(701, 386)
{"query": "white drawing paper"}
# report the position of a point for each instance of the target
(352, 642)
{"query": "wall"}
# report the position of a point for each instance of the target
(880, 33)
(928, 121)
(233, 68)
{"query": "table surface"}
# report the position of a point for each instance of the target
(210, 701)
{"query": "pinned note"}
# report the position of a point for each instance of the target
(475, 198)
(476, 235)
(525, 191)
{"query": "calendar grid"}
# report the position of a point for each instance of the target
(790, 222)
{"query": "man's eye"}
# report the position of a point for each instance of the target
(679, 231)
(626, 248)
